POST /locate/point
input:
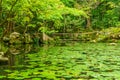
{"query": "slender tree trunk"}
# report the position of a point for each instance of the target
(0, 11)
(88, 25)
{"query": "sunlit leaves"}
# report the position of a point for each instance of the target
(26, 19)
(75, 12)
(30, 12)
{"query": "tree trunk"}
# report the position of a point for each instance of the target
(46, 37)
(88, 24)
(0, 11)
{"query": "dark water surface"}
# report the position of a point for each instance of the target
(76, 61)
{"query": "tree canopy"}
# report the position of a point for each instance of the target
(29, 16)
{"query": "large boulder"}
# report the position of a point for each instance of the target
(2, 57)
(15, 37)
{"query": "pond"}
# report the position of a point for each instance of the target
(75, 61)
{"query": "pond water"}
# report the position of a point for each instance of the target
(76, 61)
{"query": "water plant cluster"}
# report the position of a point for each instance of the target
(84, 61)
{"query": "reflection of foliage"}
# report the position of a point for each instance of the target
(19, 48)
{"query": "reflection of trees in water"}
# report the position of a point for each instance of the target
(16, 53)
(3, 58)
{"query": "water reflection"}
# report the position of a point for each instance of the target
(13, 55)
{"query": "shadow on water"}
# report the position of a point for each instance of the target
(12, 55)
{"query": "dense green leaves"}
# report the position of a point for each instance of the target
(37, 14)
(106, 15)
(58, 15)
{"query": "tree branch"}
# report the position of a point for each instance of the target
(9, 12)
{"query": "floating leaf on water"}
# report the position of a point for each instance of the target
(18, 78)
(36, 73)
(36, 79)
(2, 77)
(68, 77)
(8, 71)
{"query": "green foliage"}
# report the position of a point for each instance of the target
(106, 15)
(69, 3)
(38, 13)
(50, 16)
(111, 34)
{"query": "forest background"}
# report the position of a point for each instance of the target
(101, 17)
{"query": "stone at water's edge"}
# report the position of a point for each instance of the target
(15, 35)
(6, 39)
(112, 44)
(46, 37)
(17, 38)
(2, 58)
